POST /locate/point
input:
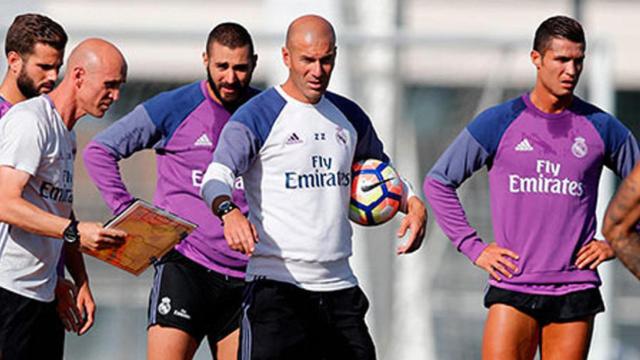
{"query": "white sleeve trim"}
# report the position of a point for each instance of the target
(218, 180)
(407, 194)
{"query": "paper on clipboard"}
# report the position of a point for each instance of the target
(151, 233)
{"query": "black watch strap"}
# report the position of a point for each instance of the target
(71, 234)
(224, 208)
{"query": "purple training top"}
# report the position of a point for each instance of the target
(543, 171)
(182, 126)
(4, 106)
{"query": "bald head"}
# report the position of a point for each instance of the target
(309, 53)
(96, 69)
(97, 55)
(310, 29)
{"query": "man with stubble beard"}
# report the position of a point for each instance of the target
(34, 47)
(198, 286)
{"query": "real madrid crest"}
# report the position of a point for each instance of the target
(165, 306)
(342, 136)
(579, 147)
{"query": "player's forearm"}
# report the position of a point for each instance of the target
(620, 222)
(75, 264)
(217, 182)
(416, 206)
(20, 213)
(627, 249)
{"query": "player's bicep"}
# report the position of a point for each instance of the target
(12, 183)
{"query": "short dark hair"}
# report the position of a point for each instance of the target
(558, 27)
(231, 35)
(27, 30)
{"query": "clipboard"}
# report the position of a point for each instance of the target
(151, 233)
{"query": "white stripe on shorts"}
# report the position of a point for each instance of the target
(245, 326)
(246, 333)
(155, 294)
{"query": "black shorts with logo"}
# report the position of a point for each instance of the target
(549, 308)
(192, 298)
(281, 321)
(29, 329)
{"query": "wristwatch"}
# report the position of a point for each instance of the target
(71, 234)
(224, 208)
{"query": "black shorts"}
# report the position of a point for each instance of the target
(194, 299)
(29, 329)
(549, 308)
(281, 321)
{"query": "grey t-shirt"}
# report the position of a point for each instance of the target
(34, 139)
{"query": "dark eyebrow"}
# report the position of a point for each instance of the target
(45, 66)
(113, 82)
(327, 57)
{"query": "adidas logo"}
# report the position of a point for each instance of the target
(524, 146)
(293, 139)
(203, 140)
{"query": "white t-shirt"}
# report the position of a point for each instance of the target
(34, 139)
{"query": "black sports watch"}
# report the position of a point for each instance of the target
(71, 234)
(224, 208)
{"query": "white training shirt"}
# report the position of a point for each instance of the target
(295, 159)
(34, 139)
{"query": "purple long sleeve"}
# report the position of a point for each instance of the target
(463, 157)
(451, 217)
(134, 132)
(102, 166)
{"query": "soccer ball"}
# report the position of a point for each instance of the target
(376, 192)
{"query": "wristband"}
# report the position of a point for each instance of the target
(224, 208)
